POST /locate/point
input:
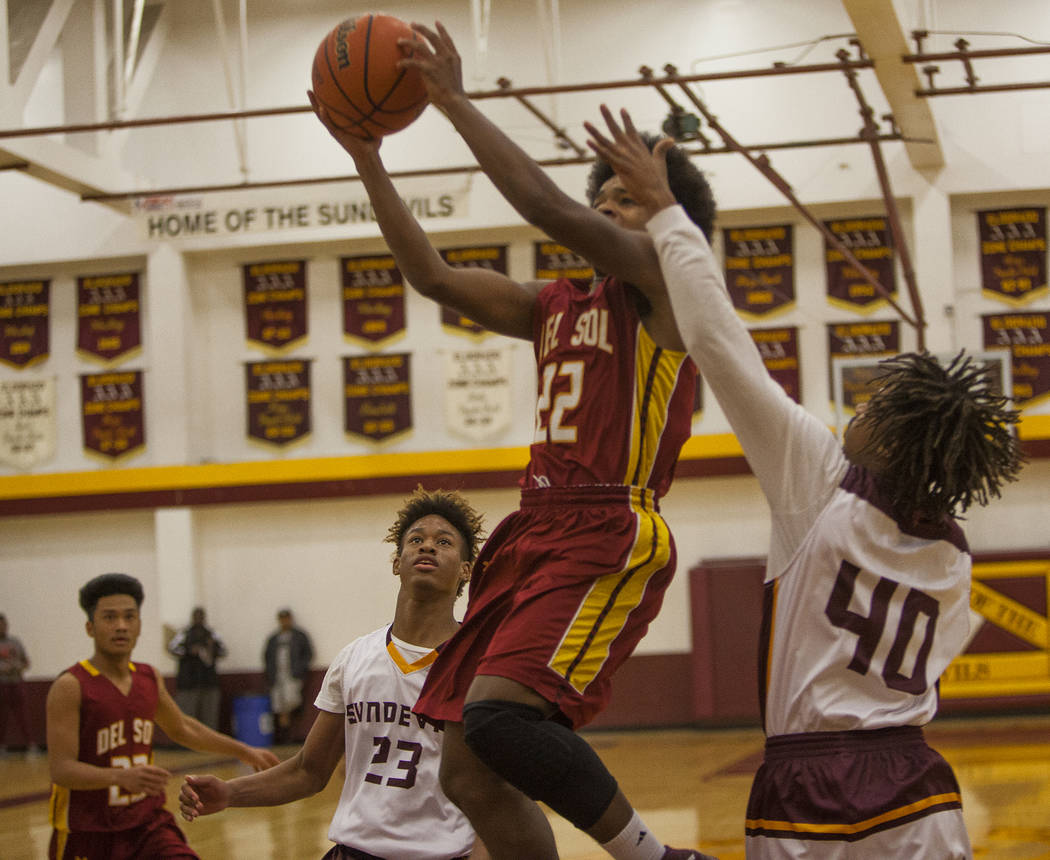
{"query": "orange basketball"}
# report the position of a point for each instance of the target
(355, 76)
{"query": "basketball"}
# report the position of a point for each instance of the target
(355, 76)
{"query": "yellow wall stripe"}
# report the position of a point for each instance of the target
(45, 485)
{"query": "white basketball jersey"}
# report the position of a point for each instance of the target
(391, 805)
(863, 620)
(861, 616)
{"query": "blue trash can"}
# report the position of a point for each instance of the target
(252, 720)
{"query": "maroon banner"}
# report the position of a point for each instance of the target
(373, 299)
(278, 395)
(480, 257)
(109, 319)
(760, 268)
(112, 412)
(779, 350)
(870, 241)
(378, 395)
(1027, 336)
(874, 340)
(275, 303)
(25, 315)
(554, 261)
(1013, 253)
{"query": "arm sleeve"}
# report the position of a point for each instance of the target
(796, 459)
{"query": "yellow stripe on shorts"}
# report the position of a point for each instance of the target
(609, 601)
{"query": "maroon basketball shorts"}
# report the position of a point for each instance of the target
(855, 794)
(160, 839)
(562, 592)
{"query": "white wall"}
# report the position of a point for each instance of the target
(326, 559)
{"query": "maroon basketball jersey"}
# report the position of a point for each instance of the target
(612, 406)
(115, 731)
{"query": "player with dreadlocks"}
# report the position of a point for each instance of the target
(945, 430)
(392, 804)
(868, 573)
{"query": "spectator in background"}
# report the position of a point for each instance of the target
(287, 657)
(13, 663)
(197, 647)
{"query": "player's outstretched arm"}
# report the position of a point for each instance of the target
(63, 750)
(304, 774)
(489, 298)
(627, 254)
(189, 732)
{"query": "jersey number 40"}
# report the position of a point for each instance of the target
(870, 628)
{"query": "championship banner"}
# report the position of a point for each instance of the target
(1009, 650)
(112, 412)
(377, 392)
(870, 241)
(278, 395)
(28, 422)
(25, 313)
(482, 257)
(760, 268)
(477, 392)
(1013, 253)
(554, 261)
(373, 300)
(859, 340)
(1027, 336)
(275, 304)
(109, 321)
(779, 350)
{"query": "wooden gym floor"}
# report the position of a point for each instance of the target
(690, 786)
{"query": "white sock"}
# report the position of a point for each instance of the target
(634, 842)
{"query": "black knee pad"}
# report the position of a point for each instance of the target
(541, 758)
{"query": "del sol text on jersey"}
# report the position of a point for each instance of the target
(114, 736)
(592, 329)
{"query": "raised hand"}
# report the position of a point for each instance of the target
(643, 173)
(203, 795)
(438, 61)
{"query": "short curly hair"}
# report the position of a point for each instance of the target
(947, 432)
(449, 504)
(687, 181)
(105, 585)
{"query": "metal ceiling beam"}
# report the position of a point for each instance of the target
(453, 170)
(764, 166)
(884, 41)
(477, 95)
(966, 58)
(870, 133)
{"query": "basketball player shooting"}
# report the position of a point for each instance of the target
(871, 523)
(568, 584)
